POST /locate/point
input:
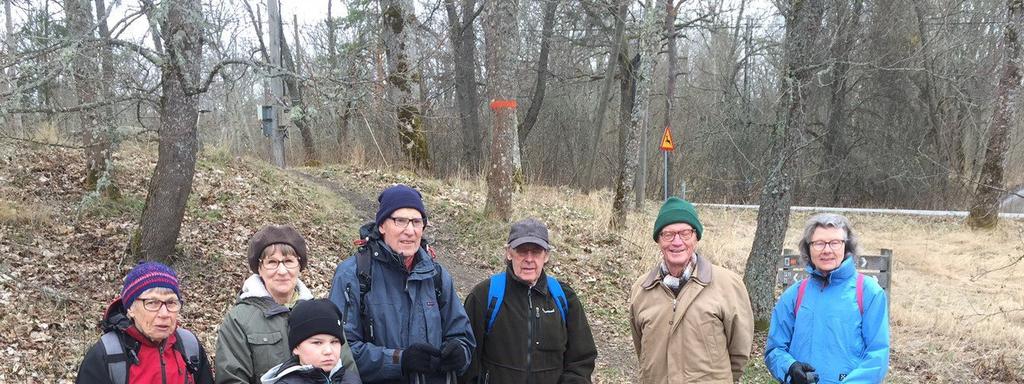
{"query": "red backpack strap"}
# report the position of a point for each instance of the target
(860, 292)
(800, 295)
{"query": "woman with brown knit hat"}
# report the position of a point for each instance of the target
(254, 335)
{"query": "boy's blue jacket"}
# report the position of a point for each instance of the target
(405, 311)
(829, 332)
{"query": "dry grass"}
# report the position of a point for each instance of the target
(957, 304)
(957, 307)
(27, 214)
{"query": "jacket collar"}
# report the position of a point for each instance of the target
(254, 291)
(293, 366)
(137, 335)
(701, 274)
(845, 271)
(540, 286)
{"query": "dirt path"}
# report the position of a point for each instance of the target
(616, 360)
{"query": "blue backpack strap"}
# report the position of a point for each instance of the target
(495, 295)
(117, 362)
(559, 295)
(189, 349)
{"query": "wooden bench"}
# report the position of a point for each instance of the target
(792, 268)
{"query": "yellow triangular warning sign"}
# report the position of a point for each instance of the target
(666, 141)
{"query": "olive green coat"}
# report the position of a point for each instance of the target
(254, 335)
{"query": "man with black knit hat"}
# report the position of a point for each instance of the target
(691, 320)
(316, 338)
(403, 319)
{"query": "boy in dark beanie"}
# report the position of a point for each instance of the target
(320, 354)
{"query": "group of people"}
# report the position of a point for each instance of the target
(393, 316)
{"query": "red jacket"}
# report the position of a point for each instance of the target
(148, 362)
(158, 363)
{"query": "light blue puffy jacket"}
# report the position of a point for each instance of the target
(829, 332)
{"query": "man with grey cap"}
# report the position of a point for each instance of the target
(530, 328)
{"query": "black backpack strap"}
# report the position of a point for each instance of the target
(442, 300)
(188, 345)
(364, 274)
(117, 360)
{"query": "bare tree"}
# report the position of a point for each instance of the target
(501, 34)
(299, 114)
(462, 37)
(985, 207)
(398, 22)
(86, 74)
(619, 49)
(171, 183)
(547, 30)
(630, 156)
(803, 23)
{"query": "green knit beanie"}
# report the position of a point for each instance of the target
(676, 210)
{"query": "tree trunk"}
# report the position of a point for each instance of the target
(618, 50)
(547, 30)
(648, 49)
(299, 112)
(105, 184)
(172, 179)
(399, 21)
(10, 73)
(86, 72)
(463, 40)
(501, 35)
(332, 36)
(834, 140)
(803, 23)
(985, 206)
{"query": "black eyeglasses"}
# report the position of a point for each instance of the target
(820, 244)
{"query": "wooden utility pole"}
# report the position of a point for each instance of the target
(276, 81)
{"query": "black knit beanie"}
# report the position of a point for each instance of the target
(314, 317)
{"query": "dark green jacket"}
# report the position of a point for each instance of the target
(528, 343)
(254, 335)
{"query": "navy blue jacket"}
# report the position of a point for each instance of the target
(404, 308)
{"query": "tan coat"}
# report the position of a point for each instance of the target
(702, 336)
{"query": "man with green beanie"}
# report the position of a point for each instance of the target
(691, 320)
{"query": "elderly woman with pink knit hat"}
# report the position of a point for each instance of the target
(143, 342)
(254, 335)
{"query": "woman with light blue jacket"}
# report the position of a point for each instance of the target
(832, 327)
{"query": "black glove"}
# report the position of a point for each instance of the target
(420, 358)
(802, 373)
(453, 356)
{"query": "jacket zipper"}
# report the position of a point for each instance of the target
(529, 333)
(163, 364)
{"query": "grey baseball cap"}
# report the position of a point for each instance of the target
(528, 231)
